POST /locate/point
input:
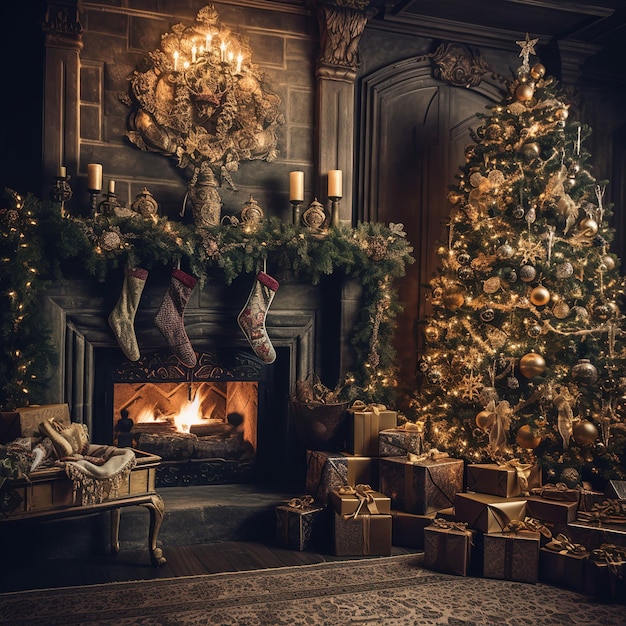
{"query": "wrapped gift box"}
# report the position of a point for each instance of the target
(364, 426)
(499, 480)
(448, 547)
(399, 442)
(551, 510)
(327, 471)
(361, 501)
(32, 416)
(408, 528)
(363, 535)
(558, 491)
(300, 524)
(588, 498)
(423, 486)
(605, 573)
(615, 490)
(511, 556)
(562, 567)
(487, 513)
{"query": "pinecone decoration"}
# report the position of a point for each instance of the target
(377, 248)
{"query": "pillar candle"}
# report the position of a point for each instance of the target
(62, 172)
(296, 186)
(334, 184)
(111, 186)
(94, 176)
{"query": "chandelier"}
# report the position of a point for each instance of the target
(200, 100)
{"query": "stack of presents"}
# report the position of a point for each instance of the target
(492, 520)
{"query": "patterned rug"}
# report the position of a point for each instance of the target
(394, 590)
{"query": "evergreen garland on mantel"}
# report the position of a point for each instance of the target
(35, 240)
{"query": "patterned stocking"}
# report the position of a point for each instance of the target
(251, 320)
(122, 317)
(169, 318)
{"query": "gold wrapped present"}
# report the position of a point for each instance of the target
(487, 513)
(551, 510)
(32, 416)
(359, 500)
(327, 471)
(362, 535)
(408, 528)
(605, 573)
(556, 491)
(299, 523)
(400, 441)
(504, 480)
(562, 563)
(364, 424)
(448, 547)
(421, 486)
(511, 556)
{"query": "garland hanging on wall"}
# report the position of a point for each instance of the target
(35, 240)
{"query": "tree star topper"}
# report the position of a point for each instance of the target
(528, 48)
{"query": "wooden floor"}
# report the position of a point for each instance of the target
(181, 561)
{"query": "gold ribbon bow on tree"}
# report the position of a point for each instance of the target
(365, 495)
(303, 502)
(498, 424)
(528, 524)
(523, 472)
(563, 545)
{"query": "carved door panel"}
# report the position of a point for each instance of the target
(416, 131)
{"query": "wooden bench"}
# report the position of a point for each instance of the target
(48, 495)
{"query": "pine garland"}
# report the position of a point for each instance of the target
(35, 239)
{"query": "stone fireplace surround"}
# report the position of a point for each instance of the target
(309, 326)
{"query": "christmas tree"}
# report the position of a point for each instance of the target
(524, 344)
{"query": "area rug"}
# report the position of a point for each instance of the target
(395, 590)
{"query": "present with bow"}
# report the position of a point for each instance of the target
(365, 421)
(300, 523)
(513, 554)
(605, 573)
(506, 480)
(448, 547)
(359, 500)
(327, 471)
(421, 484)
(554, 511)
(400, 441)
(611, 512)
(488, 513)
(562, 563)
(556, 491)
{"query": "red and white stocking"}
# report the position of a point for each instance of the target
(251, 320)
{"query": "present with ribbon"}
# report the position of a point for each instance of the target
(421, 485)
(562, 563)
(488, 513)
(327, 471)
(300, 523)
(448, 547)
(605, 573)
(408, 528)
(359, 500)
(611, 512)
(556, 491)
(362, 535)
(408, 438)
(512, 554)
(365, 421)
(556, 511)
(505, 480)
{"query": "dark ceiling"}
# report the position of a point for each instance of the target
(594, 31)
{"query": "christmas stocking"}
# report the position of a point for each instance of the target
(169, 318)
(122, 317)
(252, 317)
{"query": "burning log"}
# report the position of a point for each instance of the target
(169, 446)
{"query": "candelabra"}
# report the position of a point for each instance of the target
(61, 192)
(109, 204)
(295, 204)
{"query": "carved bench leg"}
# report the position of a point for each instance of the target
(115, 530)
(157, 509)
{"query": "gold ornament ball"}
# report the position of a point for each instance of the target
(609, 262)
(531, 149)
(432, 333)
(588, 226)
(484, 419)
(454, 197)
(538, 71)
(540, 296)
(453, 300)
(525, 438)
(524, 92)
(532, 364)
(585, 432)
(561, 114)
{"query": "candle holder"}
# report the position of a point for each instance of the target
(335, 202)
(109, 204)
(314, 217)
(94, 193)
(61, 192)
(295, 204)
